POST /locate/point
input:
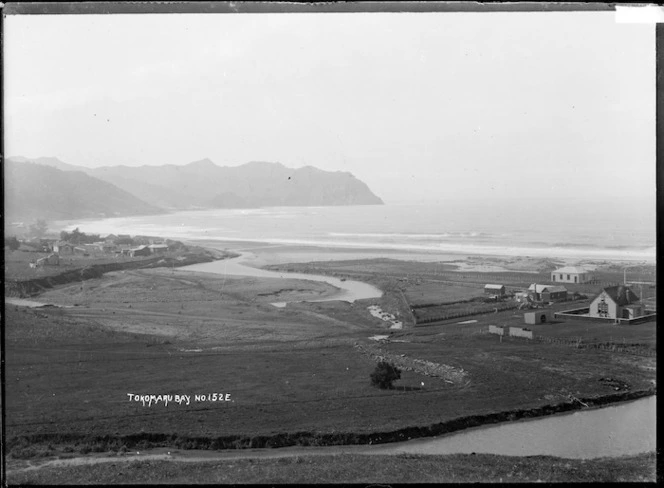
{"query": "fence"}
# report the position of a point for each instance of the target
(521, 332)
(636, 349)
(496, 330)
(466, 313)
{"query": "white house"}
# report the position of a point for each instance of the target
(570, 274)
(616, 302)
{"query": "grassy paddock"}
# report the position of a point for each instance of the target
(350, 468)
(293, 373)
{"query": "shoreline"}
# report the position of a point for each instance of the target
(267, 253)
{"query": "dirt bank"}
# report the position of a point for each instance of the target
(146, 440)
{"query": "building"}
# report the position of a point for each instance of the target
(63, 248)
(50, 260)
(537, 317)
(140, 251)
(570, 274)
(158, 248)
(494, 290)
(547, 293)
(616, 302)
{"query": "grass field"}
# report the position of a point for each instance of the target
(348, 468)
(293, 373)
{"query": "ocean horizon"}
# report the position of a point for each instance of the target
(583, 233)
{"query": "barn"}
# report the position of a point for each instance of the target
(494, 290)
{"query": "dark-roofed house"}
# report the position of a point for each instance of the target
(547, 293)
(570, 274)
(140, 251)
(494, 289)
(616, 302)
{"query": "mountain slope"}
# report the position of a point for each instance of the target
(38, 191)
(203, 184)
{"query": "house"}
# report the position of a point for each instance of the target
(616, 302)
(494, 290)
(63, 247)
(537, 317)
(547, 293)
(110, 238)
(570, 274)
(158, 248)
(140, 251)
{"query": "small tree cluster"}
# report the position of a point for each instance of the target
(384, 375)
(12, 243)
(78, 237)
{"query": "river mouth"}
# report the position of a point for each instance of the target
(348, 290)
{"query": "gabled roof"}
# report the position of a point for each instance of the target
(555, 289)
(570, 270)
(542, 288)
(494, 287)
(621, 294)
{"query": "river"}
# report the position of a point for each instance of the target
(348, 290)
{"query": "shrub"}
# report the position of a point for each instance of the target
(384, 375)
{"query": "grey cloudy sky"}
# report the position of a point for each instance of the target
(440, 106)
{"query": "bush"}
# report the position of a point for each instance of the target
(384, 375)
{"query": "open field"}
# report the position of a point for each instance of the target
(289, 370)
(348, 468)
(294, 374)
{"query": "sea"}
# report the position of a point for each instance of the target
(570, 233)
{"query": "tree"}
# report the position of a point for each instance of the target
(38, 228)
(384, 374)
(12, 243)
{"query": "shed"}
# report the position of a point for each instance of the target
(537, 317)
(494, 289)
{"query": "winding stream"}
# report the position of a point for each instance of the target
(348, 290)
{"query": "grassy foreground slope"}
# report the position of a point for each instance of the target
(347, 468)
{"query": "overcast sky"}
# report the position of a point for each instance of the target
(442, 106)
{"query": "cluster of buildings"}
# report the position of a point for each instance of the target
(111, 245)
(616, 303)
